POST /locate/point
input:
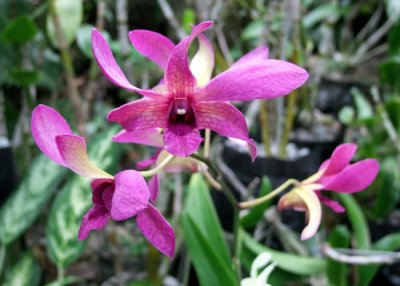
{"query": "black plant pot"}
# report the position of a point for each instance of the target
(7, 174)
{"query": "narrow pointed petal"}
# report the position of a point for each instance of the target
(258, 54)
(157, 230)
(73, 152)
(178, 78)
(353, 178)
(261, 261)
(154, 187)
(150, 137)
(202, 63)
(96, 218)
(334, 205)
(226, 120)
(46, 124)
(141, 114)
(109, 67)
(131, 195)
(262, 80)
(182, 140)
(340, 158)
(152, 45)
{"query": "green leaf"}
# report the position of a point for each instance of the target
(357, 220)
(20, 30)
(70, 14)
(346, 115)
(204, 236)
(392, 106)
(210, 267)
(300, 265)
(253, 30)
(363, 107)
(388, 183)
(337, 272)
(256, 213)
(394, 40)
(74, 200)
(390, 242)
(393, 8)
(320, 13)
(24, 205)
(24, 78)
(389, 70)
(25, 272)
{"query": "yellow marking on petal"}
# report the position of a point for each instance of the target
(202, 63)
(314, 211)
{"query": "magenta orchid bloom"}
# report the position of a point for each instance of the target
(118, 197)
(153, 137)
(335, 174)
(187, 101)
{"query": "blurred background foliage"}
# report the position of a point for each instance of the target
(352, 52)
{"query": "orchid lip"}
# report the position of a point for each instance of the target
(182, 112)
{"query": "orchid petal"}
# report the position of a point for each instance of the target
(304, 199)
(157, 230)
(150, 137)
(178, 78)
(261, 261)
(46, 124)
(334, 205)
(96, 218)
(107, 197)
(226, 120)
(181, 140)
(98, 186)
(73, 152)
(260, 53)
(154, 187)
(109, 67)
(131, 195)
(152, 45)
(141, 114)
(353, 178)
(340, 158)
(260, 80)
(202, 63)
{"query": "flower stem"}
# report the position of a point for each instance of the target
(269, 196)
(2, 256)
(207, 138)
(159, 168)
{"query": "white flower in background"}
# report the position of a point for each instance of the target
(255, 279)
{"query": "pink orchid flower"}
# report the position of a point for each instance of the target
(335, 174)
(187, 101)
(118, 197)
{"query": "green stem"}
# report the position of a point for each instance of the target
(207, 138)
(159, 168)
(270, 195)
(60, 274)
(288, 125)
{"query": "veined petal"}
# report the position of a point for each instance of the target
(225, 119)
(150, 137)
(154, 187)
(109, 67)
(181, 140)
(131, 195)
(141, 114)
(258, 54)
(202, 63)
(353, 178)
(340, 158)
(334, 205)
(73, 152)
(260, 80)
(152, 45)
(157, 230)
(178, 78)
(96, 218)
(46, 124)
